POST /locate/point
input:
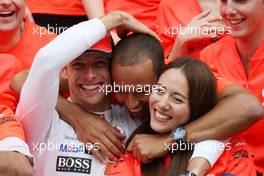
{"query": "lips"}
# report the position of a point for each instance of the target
(6, 13)
(235, 22)
(159, 116)
(89, 89)
(135, 110)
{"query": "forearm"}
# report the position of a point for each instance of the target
(18, 81)
(9, 164)
(199, 166)
(235, 112)
(94, 8)
(70, 112)
(180, 48)
(205, 155)
(5, 168)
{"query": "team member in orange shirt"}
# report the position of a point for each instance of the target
(12, 146)
(144, 11)
(20, 39)
(188, 27)
(240, 58)
(58, 15)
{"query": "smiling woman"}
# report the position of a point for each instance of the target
(243, 16)
(188, 84)
(11, 14)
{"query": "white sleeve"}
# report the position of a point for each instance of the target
(209, 149)
(40, 92)
(14, 144)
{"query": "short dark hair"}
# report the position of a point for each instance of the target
(138, 48)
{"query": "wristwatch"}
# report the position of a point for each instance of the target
(188, 173)
(178, 134)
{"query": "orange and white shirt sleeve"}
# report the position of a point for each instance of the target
(11, 133)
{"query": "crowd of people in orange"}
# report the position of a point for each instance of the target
(186, 83)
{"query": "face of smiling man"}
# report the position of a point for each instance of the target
(11, 14)
(86, 75)
(138, 75)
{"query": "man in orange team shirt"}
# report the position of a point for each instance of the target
(240, 58)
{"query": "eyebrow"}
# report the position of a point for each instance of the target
(175, 93)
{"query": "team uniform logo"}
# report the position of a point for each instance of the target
(73, 164)
(77, 148)
(71, 148)
(240, 154)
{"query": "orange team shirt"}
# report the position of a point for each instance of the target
(145, 11)
(224, 56)
(24, 53)
(9, 66)
(9, 127)
(57, 7)
(33, 38)
(172, 17)
(234, 161)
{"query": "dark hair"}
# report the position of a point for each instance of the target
(201, 82)
(202, 98)
(138, 48)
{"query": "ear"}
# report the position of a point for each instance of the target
(64, 73)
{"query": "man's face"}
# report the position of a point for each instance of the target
(11, 14)
(138, 75)
(245, 17)
(85, 77)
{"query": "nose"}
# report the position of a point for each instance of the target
(90, 74)
(164, 104)
(229, 8)
(131, 101)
